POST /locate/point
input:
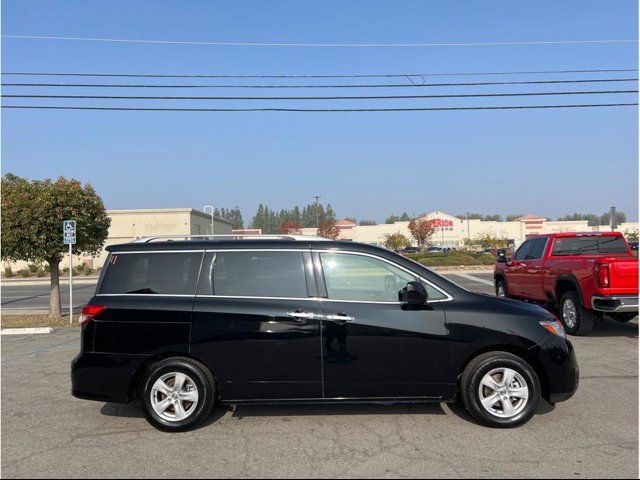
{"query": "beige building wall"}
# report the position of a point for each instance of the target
(453, 231)
(129, 225)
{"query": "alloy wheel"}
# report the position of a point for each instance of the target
(503, 392)
(174, 396)
(569, 313)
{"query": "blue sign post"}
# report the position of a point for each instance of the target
(69, 238)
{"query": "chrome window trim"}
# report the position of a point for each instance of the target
(126, 252)
(144, 295)
(448, 296)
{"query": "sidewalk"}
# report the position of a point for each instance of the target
(64, 280)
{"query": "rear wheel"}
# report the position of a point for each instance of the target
(577, 320)
(500, 390)
(623, 317)
(501, 288)
(177, 394)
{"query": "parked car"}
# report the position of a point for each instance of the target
(181, 325)
(585, 275)
(409, 250)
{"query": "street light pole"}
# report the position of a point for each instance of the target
(317, 197)
(210, 207)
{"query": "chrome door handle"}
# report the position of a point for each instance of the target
(340, 317)
(301, 316)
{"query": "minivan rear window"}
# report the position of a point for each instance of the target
(254, 274)
(169, 273)
(589, 245)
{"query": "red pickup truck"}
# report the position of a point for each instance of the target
(585, 275)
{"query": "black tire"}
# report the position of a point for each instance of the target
(470, 384)
(585, 318)
(623, 317)
(201, 378)
(500, 283)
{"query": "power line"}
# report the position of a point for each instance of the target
(324, 45)
(348, 97)
(359, 75)
(397, 85)
(322, 110)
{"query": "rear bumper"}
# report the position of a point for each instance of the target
(105, 377)
(618, 303)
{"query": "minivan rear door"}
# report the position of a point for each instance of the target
(256, 324)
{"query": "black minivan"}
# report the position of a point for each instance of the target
(181, 325)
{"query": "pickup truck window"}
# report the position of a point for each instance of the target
(523, 251)
(538, 249)
(589, 245)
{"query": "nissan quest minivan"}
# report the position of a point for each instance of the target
(185, 323)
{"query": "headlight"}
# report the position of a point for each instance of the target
(555, 327)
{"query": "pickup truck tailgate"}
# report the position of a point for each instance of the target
(624, 273)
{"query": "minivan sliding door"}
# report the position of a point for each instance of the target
(255, 323)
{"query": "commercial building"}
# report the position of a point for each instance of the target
(129, 225)
(451, 231)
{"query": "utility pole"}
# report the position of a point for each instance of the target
(317, 197)
(210, 207)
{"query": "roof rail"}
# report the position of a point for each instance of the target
(188, 237)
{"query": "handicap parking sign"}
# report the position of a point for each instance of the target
(69, 232)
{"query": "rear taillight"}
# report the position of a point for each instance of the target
(89, 312)
(602, 275)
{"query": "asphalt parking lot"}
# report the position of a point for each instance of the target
(48, 433)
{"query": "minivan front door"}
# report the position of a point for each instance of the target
(256, 325)
(373, 346)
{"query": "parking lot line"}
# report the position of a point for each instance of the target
(475, 279)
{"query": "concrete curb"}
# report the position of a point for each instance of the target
(26, 331)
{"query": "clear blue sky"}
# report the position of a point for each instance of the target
(367, 165)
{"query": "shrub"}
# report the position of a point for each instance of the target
(24, 273)
(33, 268)
(87, 270)
(8, 273)
(452, 259)
(40, 272)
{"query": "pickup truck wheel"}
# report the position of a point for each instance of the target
(501, 288)
(500, 390)
(623, 317)
(577, 320)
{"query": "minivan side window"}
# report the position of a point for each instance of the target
(168, 273)
(254, 274)
(366, 279)
(523, 251)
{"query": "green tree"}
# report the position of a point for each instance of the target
(365, 223)
(512, 218)
(395, 241)
(32, 216)
(397, 218)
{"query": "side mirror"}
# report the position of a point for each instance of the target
(414, 294)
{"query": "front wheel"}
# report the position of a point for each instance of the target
(177, 394)
(500, 390)
(501, 288)
(577, 320)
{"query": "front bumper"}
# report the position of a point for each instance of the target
(619, 303)
(561, 366)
